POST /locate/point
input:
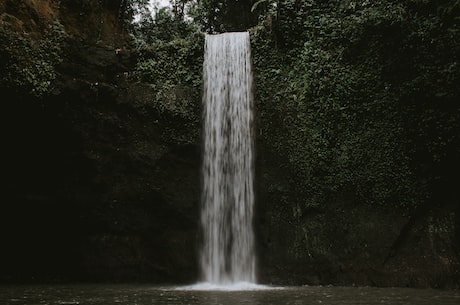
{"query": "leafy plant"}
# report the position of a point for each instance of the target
(29, 64)
(358, 97)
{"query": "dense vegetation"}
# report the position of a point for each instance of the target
(28, 63)
(358, 97)
(368, 97)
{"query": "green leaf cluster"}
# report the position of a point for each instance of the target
(28, 64)
(171, 67)
(169, 59)
(360, 97)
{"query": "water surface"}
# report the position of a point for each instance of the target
(147, 294)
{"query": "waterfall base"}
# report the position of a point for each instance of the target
(237, 286)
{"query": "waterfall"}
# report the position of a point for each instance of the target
(227, 254)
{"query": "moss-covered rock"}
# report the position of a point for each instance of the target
(356, 145)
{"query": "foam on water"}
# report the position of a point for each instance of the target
(237, 286)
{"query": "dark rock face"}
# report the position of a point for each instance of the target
(98, 186)
(347, 243)
(102, 186)
(95, 190)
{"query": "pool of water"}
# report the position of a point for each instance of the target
(147, 294)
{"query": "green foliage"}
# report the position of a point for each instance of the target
(165, 27)
(216, 16)
(170, 57)
(170, 67)
(357, 97)
(170, 54)
(28, 64)
(360, 97)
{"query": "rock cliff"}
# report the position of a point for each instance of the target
(103, 177)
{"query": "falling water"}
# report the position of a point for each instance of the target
(228, 197)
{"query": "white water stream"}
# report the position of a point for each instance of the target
(227, 255)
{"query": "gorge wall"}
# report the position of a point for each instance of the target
(103, 165)
(102, 183)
